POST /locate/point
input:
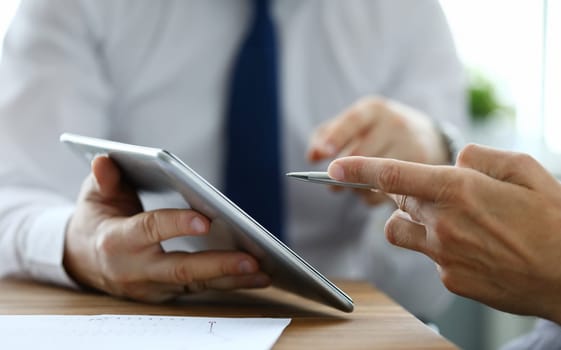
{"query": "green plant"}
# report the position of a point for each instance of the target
(483, 100)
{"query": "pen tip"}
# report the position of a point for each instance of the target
(297, 175)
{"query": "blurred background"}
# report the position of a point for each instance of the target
(512, 54)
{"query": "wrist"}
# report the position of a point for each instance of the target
(77, 261)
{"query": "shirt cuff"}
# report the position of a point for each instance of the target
(44, 247)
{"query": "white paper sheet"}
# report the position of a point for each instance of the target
(103, 332)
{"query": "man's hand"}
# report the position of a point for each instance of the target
(492, 223)
(113, 246)
(377, 127)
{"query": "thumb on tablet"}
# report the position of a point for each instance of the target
(107, 176)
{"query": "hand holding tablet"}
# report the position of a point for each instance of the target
(156, 172)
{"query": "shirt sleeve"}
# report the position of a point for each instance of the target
(545, 335)
(426, 71)
(36, 251)
(51, 82)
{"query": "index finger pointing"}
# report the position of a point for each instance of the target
(395, 176)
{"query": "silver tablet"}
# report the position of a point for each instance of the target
(155, 171)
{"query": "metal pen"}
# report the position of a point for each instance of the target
(321, 177)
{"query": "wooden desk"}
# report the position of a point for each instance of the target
(376, 323)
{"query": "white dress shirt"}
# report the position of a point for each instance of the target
(545, 335)
(154, 73)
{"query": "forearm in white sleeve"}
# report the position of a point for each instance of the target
(32, 235)
(51, 81)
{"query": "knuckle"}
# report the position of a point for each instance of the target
(521, 161)
(149, 223)
(522, 158)
(108, 244)
(466, 154)
(227, 268)
(514, 165)
(182, 274)
(388, 178)
(179, 221)
(354, 170)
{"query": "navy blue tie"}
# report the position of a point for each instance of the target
(253, 151)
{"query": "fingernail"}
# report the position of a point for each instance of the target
(246, 267)
(198, 225)
(336, 172)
